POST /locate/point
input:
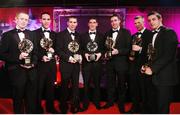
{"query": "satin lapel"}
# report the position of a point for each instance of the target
(15, 36)
(158, 36)
(118, 36)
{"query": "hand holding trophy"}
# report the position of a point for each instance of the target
(92, 47)
(151, 52)
(137, 41)
(47, 43)
(109, 43)
(73, 46)
(25, 47)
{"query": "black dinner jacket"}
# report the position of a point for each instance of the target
(164, 66)
(123, 45)
(99, 39)
(39, 34)
(63, 39)
(140, 58)
(9, 51)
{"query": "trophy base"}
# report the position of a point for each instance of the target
(92, 57)
(50, 55)
(109, 55)
(27, 61)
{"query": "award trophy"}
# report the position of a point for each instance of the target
(47, 43)
(110, 43)
(92, 47)
(151, 52)
(26, 46)
(74, 47)
(136, 41)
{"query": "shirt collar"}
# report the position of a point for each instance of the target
(70, 31)
(45, 29)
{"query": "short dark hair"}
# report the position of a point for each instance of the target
(158, 15)
(138, 16)
(92, 18)
(45, 13)
(118, 16)
(72, 17)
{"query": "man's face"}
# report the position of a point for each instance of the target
(154, 22)
(45, 20)
(115, 22)
(92, 24)
(139, 24)
(72, 24)
(22, 20)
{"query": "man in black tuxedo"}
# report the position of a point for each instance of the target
(137, 81)
(163, 68)
(93, 49)
(21, 65)
(117, 65)
(46, 63)
(68, 48)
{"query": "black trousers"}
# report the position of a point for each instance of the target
(24, 83)
(148, 93)
(116, 79)
(70, 78)
(164, 98)
(135, 89)
(91, 75)
(46, 79)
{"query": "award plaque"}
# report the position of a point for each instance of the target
(136, 41)
(92, 47)
(47, 43)
(73, 47)
(109, 43)
(26, 46)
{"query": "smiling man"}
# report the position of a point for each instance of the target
(117, 65)
(163, 69)
(23, 77)
(46, 63)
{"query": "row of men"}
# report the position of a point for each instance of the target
(150, 86)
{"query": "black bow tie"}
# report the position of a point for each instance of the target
(154, 32)
(92, 33)
(72, 33)
(114, 31)
(139, 33)
(46, 31)
(18, 30)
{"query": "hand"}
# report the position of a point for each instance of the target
(57, 58)
(87, 57)
(115, 51)
(45, 59)
(143, 69)
(23, 55)
(72, 60)
(148, 71)
(51, 50)
(27, 67)
(136, 48)
(98, 56)
(131, 58)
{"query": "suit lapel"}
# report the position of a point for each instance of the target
(16, 36)
(158, 36)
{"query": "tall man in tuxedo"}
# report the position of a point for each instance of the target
(23, 76)
(137, 58)
(117, 65)
(163, 69)
(93, 49)
(46, 63)
(68, 48)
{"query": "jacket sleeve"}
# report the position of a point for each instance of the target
(5, 53)
(127, 44)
